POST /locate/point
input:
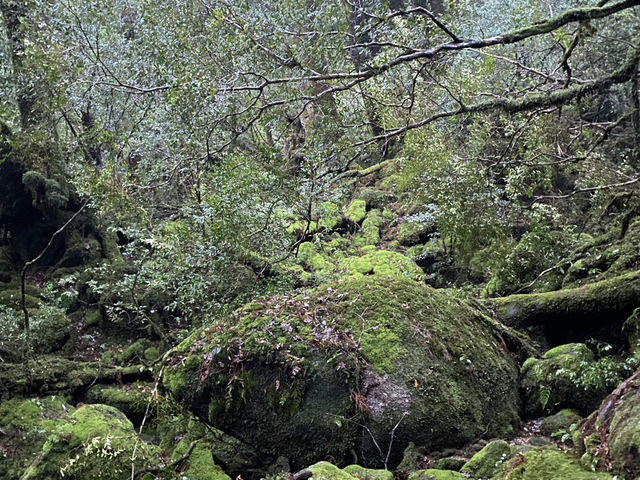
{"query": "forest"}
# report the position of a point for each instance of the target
(326, 240)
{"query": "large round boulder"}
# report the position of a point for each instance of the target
(356, 369)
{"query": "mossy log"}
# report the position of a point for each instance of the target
(54, 375)
(595, 310)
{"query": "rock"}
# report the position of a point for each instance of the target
(560, 421)
(547, 464)
(487, 462)
(368, 473)
(610, 437)
(48, 439)
(567, 376)
(435, 474)
(328, 471)
(304, 375)
(356, 211)
(199, 464)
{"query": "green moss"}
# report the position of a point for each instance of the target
(624, 434)
(92, 317)
(356, 211)
(421, 351)
(487, 462)
(370, 232)
(560, 421)
(134, 352)
(547, 464)
(413, 233)
(328, 471)
(368, 473)
(631, 328)
(382, 262)
(151, 354)
(131, 399)
(434, 474)
(25, 425)
(308, 254)
(199, 465)
(556, 381)
(301, 227)
(329, 217)
(604, 299)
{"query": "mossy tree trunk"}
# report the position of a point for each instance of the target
(595, 310)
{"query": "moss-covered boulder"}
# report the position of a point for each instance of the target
(356, 211)
(568, 376)
(610, 437)
(302, 376)
(370, 231)
(328, 471)
(381, 262)
(547, 464)
(95, 442)
(368, 473)
(25, 425)
(46, 438)
(487, 462)
(435, 474)
(196, 462)
(561, 421)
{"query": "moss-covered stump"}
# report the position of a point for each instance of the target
(547, 464)
(301, 376)
(567, 376)
(487, 462)
(596, 310)
(610, 437)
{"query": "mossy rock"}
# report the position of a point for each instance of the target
(308, 254)
(130, 399)
(449, 463)
(631, 329)
(328, 471)
(558, 381)
(561, 421)
(329, 216)
(25, 426)
(370, 232)
(611, 435)
(414, 233)
(95, 442)
(80, 251)
(368, 473)
(356, 211)
(435, 474)
(487, 462)
(547, 464)
(199, 465)
(381, 262)
(49, 438)
(422, 361)
(50, 328)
